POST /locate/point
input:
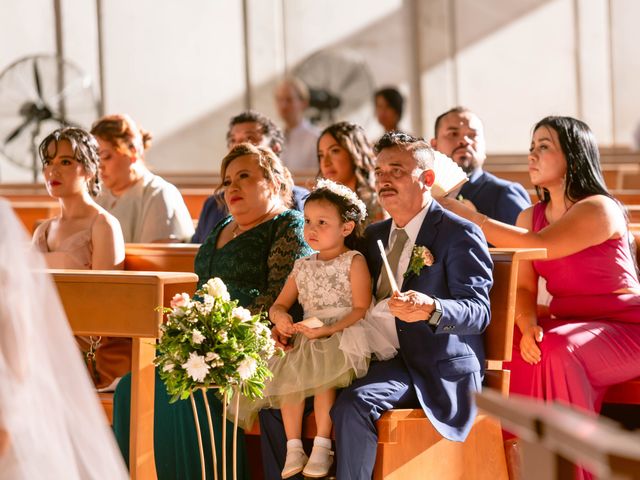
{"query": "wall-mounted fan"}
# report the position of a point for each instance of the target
(340, 85)
(38, 94)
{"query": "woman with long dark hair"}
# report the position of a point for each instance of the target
(346, 157)
(590, 337)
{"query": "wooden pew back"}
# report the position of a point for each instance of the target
(124, 304)
(160, 257)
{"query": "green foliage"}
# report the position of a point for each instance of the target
(208, 341)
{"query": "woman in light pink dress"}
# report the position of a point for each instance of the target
(589, 338)
(84, 235)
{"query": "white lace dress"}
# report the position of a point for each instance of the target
(313, 366)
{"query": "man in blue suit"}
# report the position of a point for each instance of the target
(441, 311)
(257, 129)
(459, 134)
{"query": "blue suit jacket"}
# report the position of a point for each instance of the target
(445, 363)
(497, 198)
(215, 210)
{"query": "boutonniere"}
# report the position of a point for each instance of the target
(420, 257)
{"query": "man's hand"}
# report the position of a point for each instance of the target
(411, 306)
(281, 339)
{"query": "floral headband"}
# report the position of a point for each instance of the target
(357, 210)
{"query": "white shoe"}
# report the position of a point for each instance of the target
(295, 462)
(319, 462)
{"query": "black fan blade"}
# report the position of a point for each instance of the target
(36, 79)
(17, 131)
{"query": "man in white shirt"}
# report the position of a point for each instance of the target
(443, 268)
(300, 152)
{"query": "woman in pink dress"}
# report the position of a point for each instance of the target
(589, 338)
(84, 236)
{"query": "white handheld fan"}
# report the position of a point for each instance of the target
(449, 175)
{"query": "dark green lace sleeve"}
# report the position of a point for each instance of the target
(255, 265)
(287, 246)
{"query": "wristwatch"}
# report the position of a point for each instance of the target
(436, 315)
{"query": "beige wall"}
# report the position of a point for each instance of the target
(178, 67)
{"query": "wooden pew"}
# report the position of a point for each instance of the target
(627, 393)
(194, 198)
(556, 437)
(123, 304)
(408, 445)
(615, 175)
(160, 257)
(31, 212)
(633, 211)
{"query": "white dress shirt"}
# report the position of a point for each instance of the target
(412, 228)
(300, 152)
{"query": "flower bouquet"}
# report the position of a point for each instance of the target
(208, 341)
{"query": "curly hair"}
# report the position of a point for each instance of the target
(270, 164)
(349, 206)
(85, 151)
(123, 133)
(353, 139)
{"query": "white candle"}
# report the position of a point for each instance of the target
(392, 278)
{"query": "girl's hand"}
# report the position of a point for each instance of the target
(529, 349)
(284, 322)
(282, 341)
(312, 333)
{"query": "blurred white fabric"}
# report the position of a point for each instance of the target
(51, 423)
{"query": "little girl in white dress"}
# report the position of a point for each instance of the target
(334, 288)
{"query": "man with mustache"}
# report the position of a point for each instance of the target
(459, 134)
(441, 263)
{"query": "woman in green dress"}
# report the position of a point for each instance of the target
(252, 251)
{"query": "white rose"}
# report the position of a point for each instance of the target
(196, 336)
(208, 302)
(168, 367)
(241, 314)
(222, 336)
(247, 368)
(196, 367)
(216, 288)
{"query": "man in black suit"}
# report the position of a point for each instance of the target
(459, 134)
(257, 129)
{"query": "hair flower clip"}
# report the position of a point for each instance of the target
(421, 257)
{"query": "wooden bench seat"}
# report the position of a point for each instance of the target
(627, 393)
(123, 304)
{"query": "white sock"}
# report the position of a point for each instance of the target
(294, 444)
(322, 442)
